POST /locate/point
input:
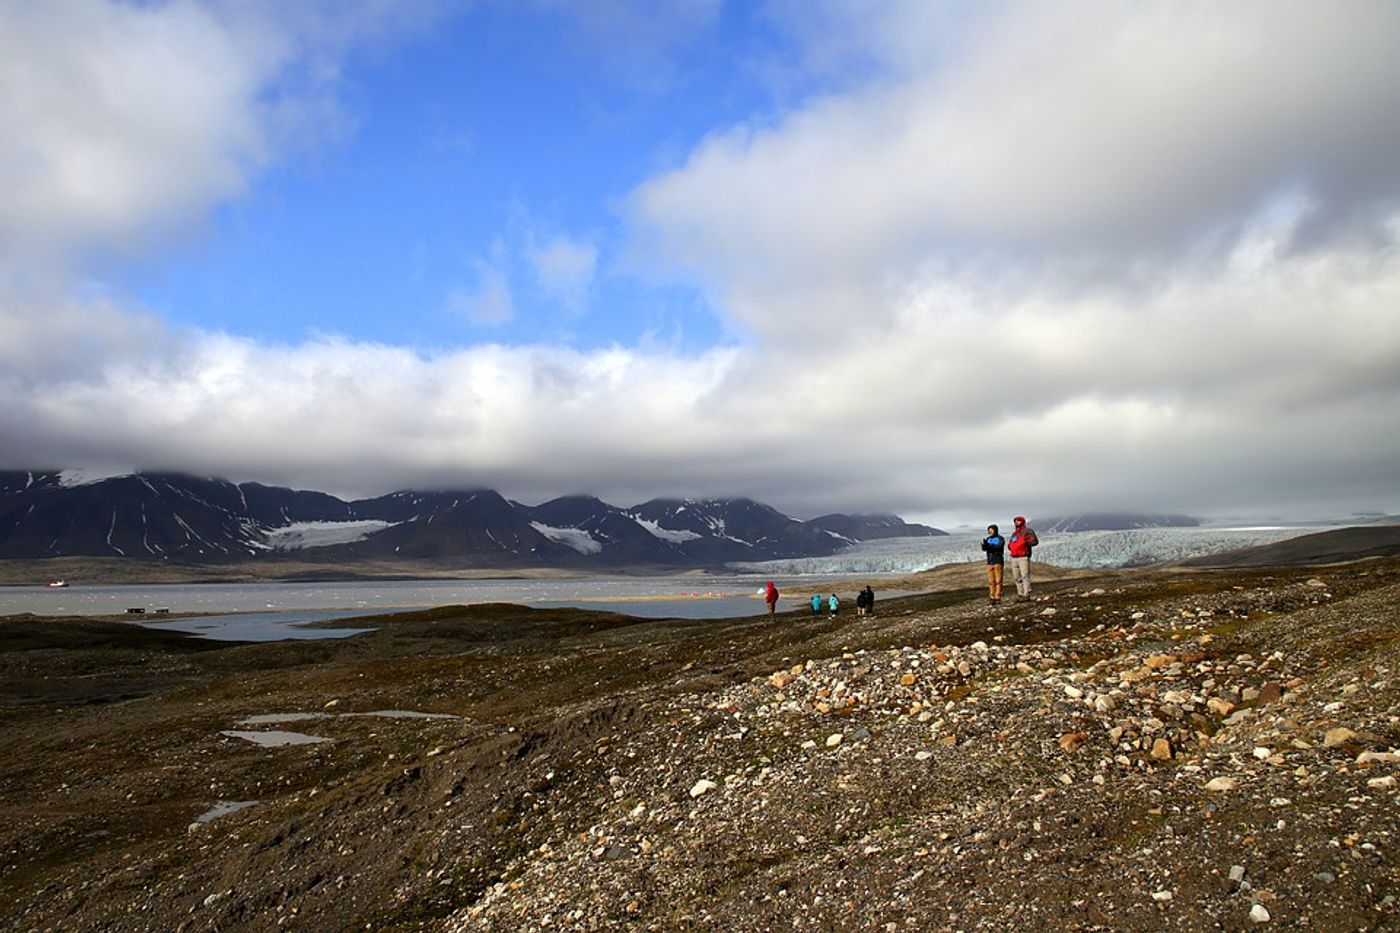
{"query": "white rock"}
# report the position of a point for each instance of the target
(1161, 897)
(1074, 693)
(923, 756)
(1262, 753)
(1221, 783)
(1236, 873)
(702, 786)
(834, 739)
(1387, 781)
(1259, 914)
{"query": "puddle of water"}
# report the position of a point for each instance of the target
(263, 719)
(274, 738)
(403, 714)
(223, 808)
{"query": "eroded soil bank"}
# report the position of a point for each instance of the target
(1133, 750)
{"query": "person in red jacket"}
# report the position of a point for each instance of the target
(771, 598)
(1019, 546)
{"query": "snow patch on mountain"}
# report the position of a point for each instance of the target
(87, 476)
(299, 535)
(576, 538)
(666, 534)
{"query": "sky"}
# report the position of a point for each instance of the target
(954, 260)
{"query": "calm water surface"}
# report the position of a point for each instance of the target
(264, 611)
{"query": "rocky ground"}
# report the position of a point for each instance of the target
(1138, 750)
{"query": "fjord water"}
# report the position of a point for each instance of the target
(264, 611)
(637, 593)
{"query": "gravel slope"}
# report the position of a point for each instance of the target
(1136, 750)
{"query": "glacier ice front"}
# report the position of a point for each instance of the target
(1133, 548)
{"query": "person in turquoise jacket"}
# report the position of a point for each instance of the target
(816, 606)
(833, 604)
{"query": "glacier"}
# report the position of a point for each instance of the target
(665, 534)
(299, 535)
(1137, 547)
(576, 538)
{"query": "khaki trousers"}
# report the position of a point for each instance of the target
(994, 572)
(1021, 568)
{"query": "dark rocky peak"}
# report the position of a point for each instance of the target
(572, 511)
(274, 506)
(871, 527)
(14, 482)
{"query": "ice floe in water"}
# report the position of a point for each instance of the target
(263, 719)
(223, 808)
(274, 738)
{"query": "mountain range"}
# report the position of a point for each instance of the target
(1113, 521)
(189, 519)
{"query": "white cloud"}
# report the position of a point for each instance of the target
(1114, 129)
(564, 268)
(122, 123)
(1222, 395)
(121, 119)
(1139, 255)
(489, 303)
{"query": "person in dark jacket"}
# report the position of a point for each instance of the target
(995, 547)
(1020, 543)
(860, 603)
(869, 600)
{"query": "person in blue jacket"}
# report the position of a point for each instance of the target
(816, 606)
(995, 547)
(834, 605)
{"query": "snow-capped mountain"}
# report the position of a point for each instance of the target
(873, 527)
(148, 515)
(186, 518)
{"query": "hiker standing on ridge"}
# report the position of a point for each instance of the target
(771, 598)
(1020, 543)
(860, 603)
(869, 600)
(995, 546)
